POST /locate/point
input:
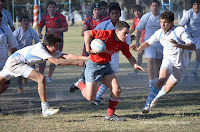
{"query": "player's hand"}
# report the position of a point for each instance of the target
(174, 42)
(133, 37)
(40, 36)
(138, 68)
(92, 52)
(134, 47)
(80, 63)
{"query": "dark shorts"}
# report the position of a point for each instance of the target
(94, 72)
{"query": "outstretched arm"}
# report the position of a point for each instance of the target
(143, 46)
(64, 62)
(134, 64)
(74, 57)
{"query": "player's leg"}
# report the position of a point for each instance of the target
(150, 70)
(186, 73)
(40, 79)
(42, 67)
(20, 85)
(196, 64)
(3, 86)
(166, 70)
(112, 82)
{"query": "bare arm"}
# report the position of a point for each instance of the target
(74, 57)
(132, 30)
(138, 37)
(64, 62)
(132, 61)
(40, 32)
(87, 40)
(143, 46)
(58, 30)
(85, 28)
(188, 46)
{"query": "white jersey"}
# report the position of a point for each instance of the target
(7, 19)
(7, 39)
(177, 56)
(107, 25)
(26, 38)
(34, 54)
(192, 22)
(151, 24)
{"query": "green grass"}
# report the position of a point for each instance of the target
(177, 111)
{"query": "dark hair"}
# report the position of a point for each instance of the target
(51, 3)
(51, 39)
(114, 6)
(156, 1)
(23, 17)
(95, 5)
(195, 1)
(121, 24)
(1, 15)
(103, 3)
(168, 15)
(137, 8)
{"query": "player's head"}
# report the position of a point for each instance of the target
(122, 30)
(24, 21)
(51, 42)
(1, 4)
(137, 10)
(154, 6)
(114, 12)
(166, 20)
(195, 4)
(95, 9)
(51, 7)
(103, 8)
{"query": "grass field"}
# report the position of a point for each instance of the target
(177, 111)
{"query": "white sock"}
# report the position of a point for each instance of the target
(161, 93)
(44, 105)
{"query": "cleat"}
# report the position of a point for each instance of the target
(73, 88)
(195, 75)
(49, 79)
(132, 74)
(146, 109)
(114, 118)
(20, 91)
(96, 102)
(153, 103)
(49, 111)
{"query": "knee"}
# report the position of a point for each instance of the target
(41, 79)
(116, 91)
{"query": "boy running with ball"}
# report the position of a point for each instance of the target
(99, 69)
(176, 42)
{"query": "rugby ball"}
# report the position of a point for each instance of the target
(98, 45)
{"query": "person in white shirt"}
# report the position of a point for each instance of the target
(20, 62)
(7, 18)
(150, 23)
(191, 21)
(176, 42)
(24, 35)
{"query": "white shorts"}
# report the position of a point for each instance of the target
(155, 51)
(15, 68)
(197, 42)
(175, 73)
(115, 62)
